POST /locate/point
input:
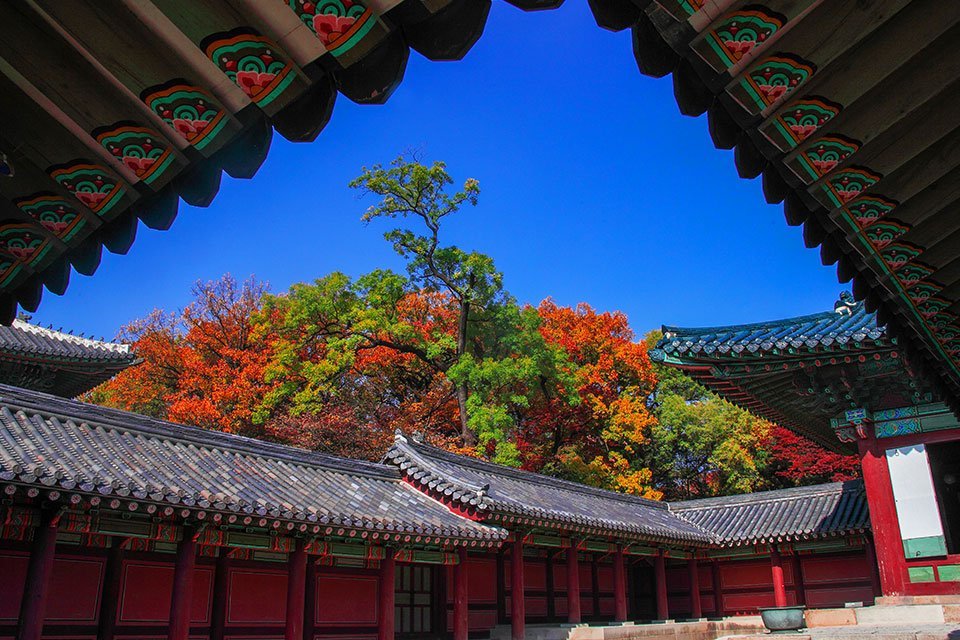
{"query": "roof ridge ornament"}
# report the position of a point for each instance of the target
(846, 305)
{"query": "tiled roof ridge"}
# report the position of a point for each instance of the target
(43, 404)
(112, 348)
(765, 497)
(527, 476)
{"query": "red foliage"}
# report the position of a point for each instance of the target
(799, 459)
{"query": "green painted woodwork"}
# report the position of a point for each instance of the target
(949, 572)
(548, 541)
(926, 547)
(921, 574)
(128, 528)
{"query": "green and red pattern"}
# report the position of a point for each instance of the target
(738, 35)
(23, 242)
(681, 9)
(924, 291)
(9, 269)
(252, 62)
(913, 274)
(799, 121)
(339, 24)
(898, 254)
(54, 213)
(772, 80)
(843, 186)
(140, 149)
(188, 109)
(92, 184)
(822, 157)
(868, 209)
(883, 233)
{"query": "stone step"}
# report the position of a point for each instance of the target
(918, 614)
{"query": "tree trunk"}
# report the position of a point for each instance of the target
(469, 438)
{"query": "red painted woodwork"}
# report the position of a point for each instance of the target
(385, 626)
(182, 597)
(74, 591)
(218, 605)
(872, 564)
(799, 586)
(345, 600)
(296, 592)
(883, 517)
(110, 597)
(573, 584)
(696, 607)
(36, 587)
(718, 606)
(147, 591)
(518, 610)
(660, 577)
(619, 586)
(461, 586)
(13, 568)
(776, 570)
(257, 597)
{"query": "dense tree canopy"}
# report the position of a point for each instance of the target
(340, 363)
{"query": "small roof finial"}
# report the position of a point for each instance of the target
(418, 436)
(846, 304)
(398, 435)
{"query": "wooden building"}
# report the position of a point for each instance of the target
(840, 378)
(115, 525)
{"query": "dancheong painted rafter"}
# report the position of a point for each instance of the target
(847, 110)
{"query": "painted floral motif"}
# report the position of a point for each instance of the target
(774, 78)
(140, 149)
(913, 273)
(800, 120)
(825, 155)
(932, 306)
(339, 24)
(93, 185)
(252, 62)
(868, 209)
(190, 110)
(739, 34)
(8, 271)
(943, 320)
(54, 213)
(844, 186)
(924, 291)
(23, 243)
(897, 255)
(883, 233)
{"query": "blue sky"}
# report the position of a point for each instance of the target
(595, 189)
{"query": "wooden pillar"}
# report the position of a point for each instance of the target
(39, 569)
(461, 602)
(619, 586)
(218, 609)
(871, 553)
(296, 592)
(717, 590)
(388, 569)
(595, 585)
(660, 573)
(182, 597)
(309, 619)
(573, 583)
(501, 588)
(518, 605)
(696, 607)
(798, 584)
(551, 589)
(885, 525)
(779, 587)
(110, 596)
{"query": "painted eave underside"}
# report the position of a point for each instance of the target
(847, 109)
(799, 372)
(53, 443)
(801, 513)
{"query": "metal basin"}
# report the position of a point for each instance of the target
(782, 619)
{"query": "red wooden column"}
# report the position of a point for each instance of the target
(461, 602)
(39, 569)
(518, 605)
(619, 586)
(218, 610)
(798, 586)
(182, 597)
(885, 526)
(388, 569)
(660, 572)
(696, 608)
(717, 589)
(110, 596)
(779, 587)
(573, 583)
(296, 592)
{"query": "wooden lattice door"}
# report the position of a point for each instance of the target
(416, 602)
